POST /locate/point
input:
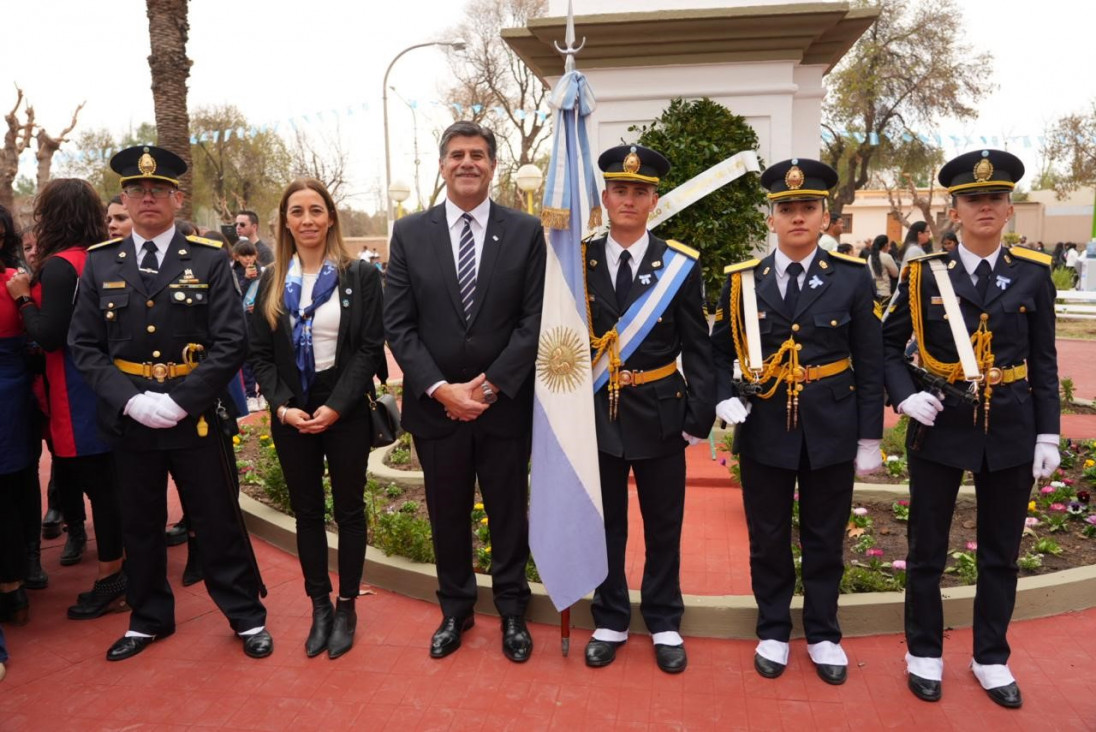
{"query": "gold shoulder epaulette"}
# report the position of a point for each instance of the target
(927, 257)
(206, 242)
(740, 266)
(848, 258)
(105, 244)
(1031, 255)
(679, 247)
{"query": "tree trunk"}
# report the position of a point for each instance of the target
(48, 147)
(167, 31)
(16, 139)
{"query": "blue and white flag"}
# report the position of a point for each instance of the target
(566, 521)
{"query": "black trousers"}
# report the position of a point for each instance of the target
(451, 467)
(1002, 497)
(345, 444)
(660, 485)
(222, 549)
(94, 475)
(18, 492)
(825, 498)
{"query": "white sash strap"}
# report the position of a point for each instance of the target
(955, 320)
(753, 327)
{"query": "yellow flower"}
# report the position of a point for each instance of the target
(1031, 506)
(884, 454)
(483, 520)
(264, 438)
(235, 439)
(478, 506)
(1089, 463)
(487, 549)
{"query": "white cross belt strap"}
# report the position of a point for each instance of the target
(753, 326)
(955, 320)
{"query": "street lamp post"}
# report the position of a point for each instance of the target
(529, 179)
(399, 192)
(415, 134)
(456, 45)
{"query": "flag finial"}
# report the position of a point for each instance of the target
(569, 38)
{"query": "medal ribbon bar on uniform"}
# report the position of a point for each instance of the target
(641, 317)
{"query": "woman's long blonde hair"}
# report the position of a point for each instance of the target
(285, 247)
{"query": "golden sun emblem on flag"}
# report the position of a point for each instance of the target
(561, 359)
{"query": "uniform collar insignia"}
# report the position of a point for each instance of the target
(1003, 282)
(645, 279)
(816, 281)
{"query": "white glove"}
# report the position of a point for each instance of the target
(733, 411)
(690, 439)
(868, 457)
(922, 407)
(144, 409)
(1047, 458)
(168, 408)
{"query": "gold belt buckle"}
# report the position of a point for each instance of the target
(800, 374)
(159, 372)
(994, 376)
(626, 378)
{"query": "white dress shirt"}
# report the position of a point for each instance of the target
(782, 261)
(480, 214)
(325, 323)
(160, 240)
(637, 251)
(971, 261)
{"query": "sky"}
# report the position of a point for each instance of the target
(319, 65)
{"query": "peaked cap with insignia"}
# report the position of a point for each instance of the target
(981, 171)
(633, 164)
(146, 162)
(798, 179)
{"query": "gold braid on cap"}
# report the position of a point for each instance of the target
(981, 340)
(606, 343)
(781, 367)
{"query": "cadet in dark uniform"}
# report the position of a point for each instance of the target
(158, 331)
(1006, 301)
(815, 415)
(646, 410)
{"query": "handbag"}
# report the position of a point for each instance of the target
(384, 418)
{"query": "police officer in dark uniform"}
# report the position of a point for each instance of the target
(647, 411)
(809, 409)
(158, 331)
(1005, 299)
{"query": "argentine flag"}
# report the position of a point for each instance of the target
(566, 521)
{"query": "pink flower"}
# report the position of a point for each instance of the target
(899, 564)
(1031, 522)
(1057, 507)
(903, 502)
(860, 511)
(1091, 519)
(1067, 481)
(972, 546)
(1046, 490)
(874, 553)
(722, 461)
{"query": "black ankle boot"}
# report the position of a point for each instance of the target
(15, 607)
(107, 595)
(37, 579)
(192, 572)
(342, 634)
(323, 617)
(75, 545)
(51, 522)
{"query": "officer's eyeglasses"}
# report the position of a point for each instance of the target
(154, 191)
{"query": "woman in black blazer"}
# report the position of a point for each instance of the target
(317, 339)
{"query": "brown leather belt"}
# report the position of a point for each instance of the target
(158, 371)
(636, 378)
(807, 374)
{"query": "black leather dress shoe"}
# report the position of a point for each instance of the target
(671, 659)
(601, 653)
(1006, 696)
(924, 689)
(75, 545)
(177, 534)
(832, 673)
(51, 524)
(129, 646)
(768, 669)
(258, 645)
(517, 644)
(107, 595)
(447, 637)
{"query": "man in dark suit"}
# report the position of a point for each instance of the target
(158, 331)
(816, 414)
(463, 295)
(1005, 300)
(646, 412)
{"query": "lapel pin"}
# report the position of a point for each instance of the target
(824, 265)
(951, 264)
(121, 255)
(656, 264)
(816, 281)
(348, 291)
(1008, 259)
(346, 303)
(182, 252)
(645, 279)
(494, 237)
(765, 271)
(593, 263)
(1003, 282)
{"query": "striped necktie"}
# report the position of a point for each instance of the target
(466, 265)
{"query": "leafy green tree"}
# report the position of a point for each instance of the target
(910, 69)
(1071, 145)
(727, 225)
(95, 147)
